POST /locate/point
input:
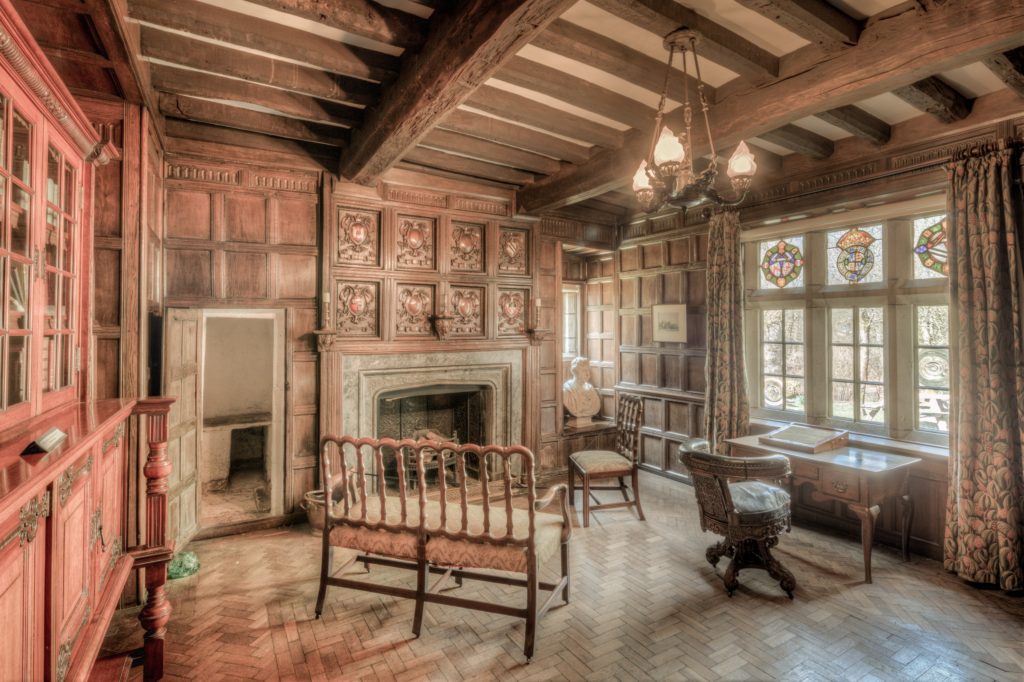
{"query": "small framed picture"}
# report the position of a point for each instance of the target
(670, 323)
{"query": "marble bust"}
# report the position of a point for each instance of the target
(579, 396)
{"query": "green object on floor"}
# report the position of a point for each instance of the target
(183, 565)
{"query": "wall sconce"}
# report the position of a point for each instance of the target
(440, 324)
(537, 335)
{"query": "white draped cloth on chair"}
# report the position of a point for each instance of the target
(726, 407)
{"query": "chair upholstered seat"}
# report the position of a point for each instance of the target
(601, 461)
(758, 497)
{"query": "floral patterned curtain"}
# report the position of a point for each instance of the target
(985, 507)
(726, 408)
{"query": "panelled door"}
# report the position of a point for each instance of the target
(182, 348)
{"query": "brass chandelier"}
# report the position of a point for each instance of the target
(666, 176)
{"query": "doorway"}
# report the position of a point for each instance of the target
(241, 453)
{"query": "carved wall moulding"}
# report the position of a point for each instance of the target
(419, 197)
(287, 182)
(477, 205)
(513, 251)
(198, 172)
(467, 247)
(512, 306)
(415, 310)
(358, 305)
(416, 242)
(466, 308)
(561, 228)
(358, 237)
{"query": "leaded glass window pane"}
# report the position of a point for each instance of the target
(855, 255)
(931, 252)
(857, 367)
(781, 263)
(933, 367)
(782, 359)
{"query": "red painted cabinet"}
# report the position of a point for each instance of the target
(22, 580)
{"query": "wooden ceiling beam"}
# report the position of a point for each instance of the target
(433, 158)
(213, 23)
(1009, 66)
(466, 44)
(216, 139)
(359, 17)
(935, 97)
(488, 128)
(192, 109)
(855, 120)
(492, 152)
(576, 91)
(71, 54)
(800, 140)
(718, 44)
(814, 20)
(210, 86)
(524, 110)
(198, 54)
(593, 49)
(959, 32)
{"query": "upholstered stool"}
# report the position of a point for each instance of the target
(749, 513)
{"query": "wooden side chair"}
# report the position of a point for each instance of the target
(737, 501)
(618, 463)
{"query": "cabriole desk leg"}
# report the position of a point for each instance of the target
(867, 516)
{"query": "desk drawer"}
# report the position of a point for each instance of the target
(842, 484)
(804, 470)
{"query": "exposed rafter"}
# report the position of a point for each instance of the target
(432, 158)
(211, 57)
(1009, 66)
(935, 97)
(360, 17)
(718, 44)
(858, 122)
(234, 28)
(800, 140)
(503, 132)
(959, 32)
(465, 46)
(492, 152)
(815, 20)
(205, 111)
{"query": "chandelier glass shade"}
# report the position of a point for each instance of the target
(666, 175)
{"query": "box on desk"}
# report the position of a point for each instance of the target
(806, 438)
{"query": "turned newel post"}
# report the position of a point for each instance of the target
(157, 550)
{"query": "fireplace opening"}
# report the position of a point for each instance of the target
(449, 412)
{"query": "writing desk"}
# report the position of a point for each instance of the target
(860, 477)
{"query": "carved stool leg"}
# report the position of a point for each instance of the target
(717, 551)
(154, 617)
(775, 568)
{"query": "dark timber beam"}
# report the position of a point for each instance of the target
(959, 32)
(1009, 66)
(562, 86)
(524, 110)
(211, 57)
(433, 158)
(814, 20)
(213, 23)
(360, 17)
(488, 128)
(191, 109)
(465, 46)
(718, 44)
(209, 86)
(492, 152)
(858, 122)
(800, 141)
(935, 97)
(593, 49)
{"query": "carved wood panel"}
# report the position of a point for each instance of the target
(467, 247)
(416, 239)
(357, 237)
(466, 306)
(513, 251)
(512, 307)
(415, 306)
(357, 310)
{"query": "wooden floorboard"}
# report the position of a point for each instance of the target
(646, 606)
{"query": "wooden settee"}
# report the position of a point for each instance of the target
(434, 525)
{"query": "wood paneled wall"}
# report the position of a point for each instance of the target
(600, 342)
(661, 261)
(247, 236)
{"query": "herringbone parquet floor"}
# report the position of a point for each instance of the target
(645, 606)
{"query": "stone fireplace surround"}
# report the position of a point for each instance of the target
(367, 377)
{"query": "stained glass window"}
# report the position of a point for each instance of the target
(855, 255)
(782, 359)
(782, 263)
(857, 368)
(931, 254)
(932, 344)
